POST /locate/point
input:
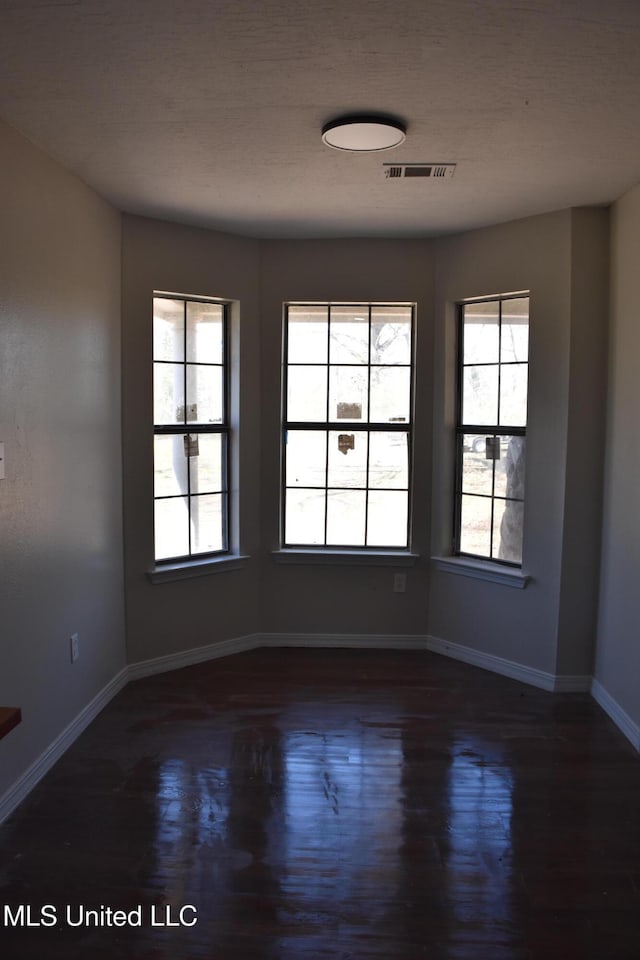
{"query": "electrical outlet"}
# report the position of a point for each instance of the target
(399, 582)
(74, 644)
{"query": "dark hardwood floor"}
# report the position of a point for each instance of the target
(332, 804)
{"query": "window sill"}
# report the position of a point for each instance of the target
(355, 558)
(483, 570)
(162, 573)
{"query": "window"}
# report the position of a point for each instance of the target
(491, 428)
(347, 425)
(191, 427)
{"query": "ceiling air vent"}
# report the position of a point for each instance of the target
(434, 170)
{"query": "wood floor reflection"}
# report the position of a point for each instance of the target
(334, 804)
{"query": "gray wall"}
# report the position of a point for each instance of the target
(618, 649)
(584, 455)
(164, 256)
(60, 504)
(164, 618)
(540, 254)
(561, 258)
(320, 599)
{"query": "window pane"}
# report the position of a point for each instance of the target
(507, 530)
(477, 471)
(349, 335)
(390, 394)
(347, 459)
(348, 393)
(515, 330)
(307, 334)
(169, 466)
(168, 329)
(513, 395)
(306, 458)
(304, 517)
(387, 518)
(389, 460)
(168, 393)
(391, 335)
(307, 393)
(204, 389)
(206, 523)
(475, 526)
(331, 384)
(171, 528)
(206, 464)
(494, 393)
(481, 337)
(510, 468)
(480, 395)
(346, 517)
(205, 332)
(190, 509)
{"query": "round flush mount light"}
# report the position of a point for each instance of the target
(363, 134)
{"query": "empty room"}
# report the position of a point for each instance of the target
(319, 499)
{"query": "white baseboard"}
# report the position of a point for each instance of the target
(25, 784)
(187, 658)
(619, 716)
(350, 641)
(360, 641)
(488, 661)
(174, 661)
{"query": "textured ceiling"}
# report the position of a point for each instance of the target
(209, 111)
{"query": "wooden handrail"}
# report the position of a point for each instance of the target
(10, 717)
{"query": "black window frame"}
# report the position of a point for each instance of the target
(488, 430)
(345, 426)
(223, 429)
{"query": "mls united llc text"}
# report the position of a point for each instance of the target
(77, 915)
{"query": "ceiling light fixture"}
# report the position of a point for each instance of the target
(363, 134)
